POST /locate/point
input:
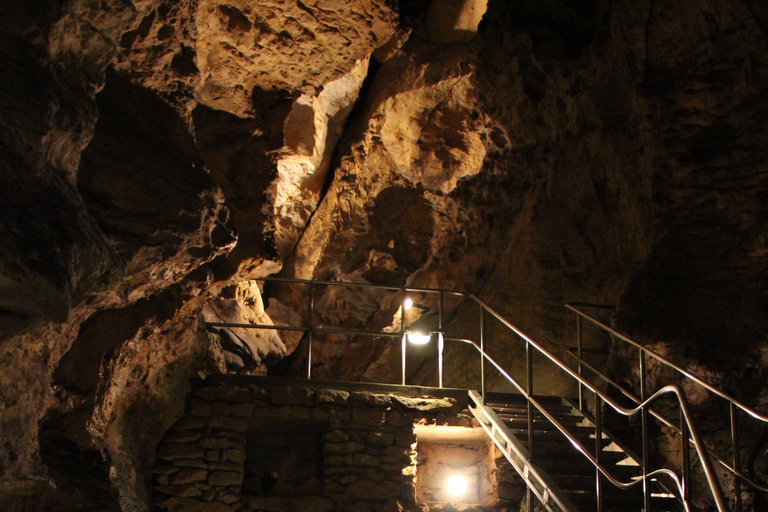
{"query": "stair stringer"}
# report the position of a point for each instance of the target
(540, 483)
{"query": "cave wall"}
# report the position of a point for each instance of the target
(156, 156)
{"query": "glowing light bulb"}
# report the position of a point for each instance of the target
(408, 304)
(456, 485)
(418, 338)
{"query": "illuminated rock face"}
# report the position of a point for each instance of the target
(157, 156)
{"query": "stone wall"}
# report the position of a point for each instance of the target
(367, 446)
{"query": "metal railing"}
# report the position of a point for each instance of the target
(642, 407)
(734, 405)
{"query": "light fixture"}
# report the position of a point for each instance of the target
(456, 485)
(417, 338)
(408, 304)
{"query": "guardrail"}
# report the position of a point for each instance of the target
(642, 407)
(734, 405)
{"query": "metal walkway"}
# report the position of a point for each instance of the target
(569, 461)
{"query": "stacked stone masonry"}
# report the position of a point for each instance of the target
(367, 448)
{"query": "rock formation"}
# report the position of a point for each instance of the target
(157, 156)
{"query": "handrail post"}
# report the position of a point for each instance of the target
(598, 451)
(482, 353)
(309, 332)
(579, 348)
(529, 383)
(440, 340)
(402, 332)
(735, 443)
(644, 435)
(403, 352)
(685, 445)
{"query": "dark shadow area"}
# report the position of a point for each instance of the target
(141, 176)
(79, 371)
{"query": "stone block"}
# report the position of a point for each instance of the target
(406, 439)
(408, 492)
(200, 408)
(397, 418)
(334, 488)
(188, 476)
(336, 436)
(227, 497)
(221, 409)
(225, 478)
(340, 470)
(162, 479)
(227, 423)
(368, 490)
(376, 476)
(187, 505)
(236, 455)
(347, 479)
(183, 436)
(267, 504)
(224, 394)
(175, 451)
(362, 459)
(190, 463)
(180, 491)
(225, 466)
(339, 416)
(431, 405)
(368, 417)
(212, 456)
(292, 396)
(380, 439)
(163, 468)
(397, 451)
(371, 399)
(331, 396)
(343, 448)
(241, 410)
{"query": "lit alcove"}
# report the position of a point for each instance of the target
(455, 465)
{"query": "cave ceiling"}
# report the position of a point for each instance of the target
(157, 156)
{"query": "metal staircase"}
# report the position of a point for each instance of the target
(557, 473)
(562, 450)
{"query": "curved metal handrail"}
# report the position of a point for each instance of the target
(575, 442)
(530, 343)
(667, 423)
(706, 464)
(666, 362)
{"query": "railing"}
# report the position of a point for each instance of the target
(734, 405)
(642, 406)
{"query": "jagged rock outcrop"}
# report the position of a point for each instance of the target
(157, 156)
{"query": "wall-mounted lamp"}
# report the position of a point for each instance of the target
(417, 338)
(407, 304)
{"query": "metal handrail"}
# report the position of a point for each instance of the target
(733, 403)
(706, 464)
(666, 361)
(527, 391)
(668, 423)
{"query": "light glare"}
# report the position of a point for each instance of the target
(408, 304)
(456, 485)
(418, 338)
